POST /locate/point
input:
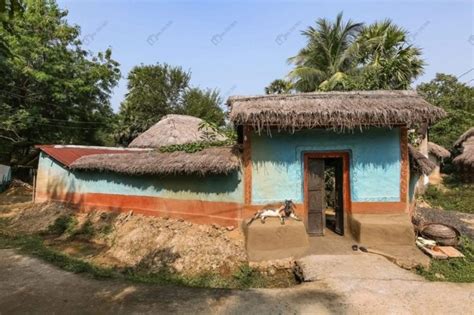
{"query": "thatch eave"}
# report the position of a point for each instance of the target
(438, 151)
(337, 110)
(215, 160)
(420, 163)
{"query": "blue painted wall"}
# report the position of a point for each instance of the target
(54, 178)
(277, 169)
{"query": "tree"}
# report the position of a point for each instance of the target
(8, 10)
(203, 104)
(278, 86)
(328, 56)
(53, 90)
(457, 99)
(158, 90)
(153, 92)
(386, 59)
(352, 56)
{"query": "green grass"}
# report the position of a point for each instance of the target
(34, 245)
(456, 196)
(63, 224)
(454, 269)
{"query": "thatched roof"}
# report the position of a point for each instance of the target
(466, 141)
(465, 136)
(174, 129)
(215, 160)
(438, 151)
(420, 163)
(339, 110)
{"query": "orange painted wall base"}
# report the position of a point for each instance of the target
(198, 211)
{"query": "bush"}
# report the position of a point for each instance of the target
(64, 223)
(456, 196)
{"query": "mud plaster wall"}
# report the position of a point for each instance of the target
(54, 179)
(277, 163)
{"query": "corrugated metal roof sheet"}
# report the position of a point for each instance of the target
(66, 155)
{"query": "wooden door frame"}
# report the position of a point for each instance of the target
(346, 187)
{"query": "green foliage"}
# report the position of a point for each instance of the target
(456, 197)
(457, 99)
(62, 224)
(158, 90)
(455, 269)
(9, 10)
(153, 92)
(86, 231)
(247, 276)
(52, 90)
(278, 86)
(194, 147)
(204, 104)
(210, 131)
(328, 55)
(352, 56)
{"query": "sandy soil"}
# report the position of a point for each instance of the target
(127, 240)
(372, 285)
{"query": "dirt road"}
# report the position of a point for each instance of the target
(28, 285)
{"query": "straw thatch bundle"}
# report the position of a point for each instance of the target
(438, 151)
(466, 142)
(215, 160)
(175, 129)
(420, 163)
(339, 110)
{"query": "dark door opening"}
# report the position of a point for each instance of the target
(325, 195)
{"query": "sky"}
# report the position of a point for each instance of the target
(238, 47)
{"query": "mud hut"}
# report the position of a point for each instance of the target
(437, 154)
(465, 160)
(286, 146)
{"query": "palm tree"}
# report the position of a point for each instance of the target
(348, 56)
(387, 60)
(328, 57)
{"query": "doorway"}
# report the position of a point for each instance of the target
(326, 188)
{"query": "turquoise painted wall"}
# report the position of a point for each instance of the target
(226, 188)
(5, 176)
(277, 169)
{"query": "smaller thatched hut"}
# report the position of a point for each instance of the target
(437, 154)
(173, 130)
(465, 160)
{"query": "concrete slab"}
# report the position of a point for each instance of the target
(32, 286)
(358, 265)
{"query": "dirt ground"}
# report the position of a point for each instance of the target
(128, 240)
(372, 285)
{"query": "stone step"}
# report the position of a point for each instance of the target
(273, 240)
(382, 229)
